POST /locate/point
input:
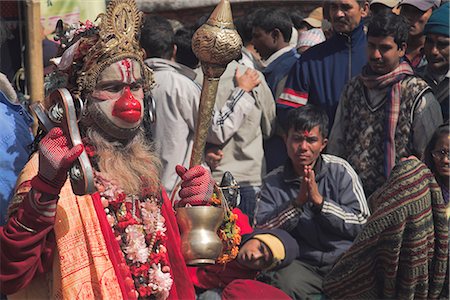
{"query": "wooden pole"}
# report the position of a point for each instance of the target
(34, 68)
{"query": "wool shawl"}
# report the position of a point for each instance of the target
(402, 252)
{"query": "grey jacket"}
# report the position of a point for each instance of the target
(322, 233)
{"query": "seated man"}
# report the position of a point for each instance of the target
(317, 198)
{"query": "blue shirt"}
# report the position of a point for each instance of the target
(15, 140)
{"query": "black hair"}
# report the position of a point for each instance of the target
(441, 131)
(270, 19)
(243, 26)
(296, 18)
(184, 54)
(306, 118)
(157, 37)
(389, 24)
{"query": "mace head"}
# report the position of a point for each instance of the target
(216, 43)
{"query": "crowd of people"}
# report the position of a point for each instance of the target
(335, 126)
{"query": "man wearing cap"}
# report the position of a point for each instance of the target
(321, 73)
(437, 48)
(417, 12)
(382, 6)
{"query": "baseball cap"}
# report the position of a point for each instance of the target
(388, 3)
(315, 18)
(423, 5)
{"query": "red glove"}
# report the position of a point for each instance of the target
(55, 160)
(197, 186)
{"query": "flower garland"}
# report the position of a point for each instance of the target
(229, 232)
(139, 228)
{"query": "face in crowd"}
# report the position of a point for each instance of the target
(440, 156)
(347, 14)
(119, 95)
(255, 255)
(416, 18)
(437, 51)
(304, 147)
(384, 54)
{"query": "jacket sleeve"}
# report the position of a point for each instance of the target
(336, 140)
(272, 211)
(427, 116)
(27, 242)
(228, 119)
(295, 92)
(266, 104)
(348, 212)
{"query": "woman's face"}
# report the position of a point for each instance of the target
(440, 157)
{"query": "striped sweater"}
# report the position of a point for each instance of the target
(402, 252)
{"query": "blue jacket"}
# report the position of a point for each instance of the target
(15, 140)
(279, 68)
(322, 233)
(276, 72)
(322, 71)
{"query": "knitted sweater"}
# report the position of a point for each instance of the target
(360, 127)
(402, 252)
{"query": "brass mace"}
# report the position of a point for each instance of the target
(216, 43)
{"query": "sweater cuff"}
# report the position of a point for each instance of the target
(276, 247)
(34, 214)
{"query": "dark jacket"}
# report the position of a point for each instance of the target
(322, 71)
(323, 233)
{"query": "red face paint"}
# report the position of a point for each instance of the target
(306, 133)
(127, 107)
(127, 64)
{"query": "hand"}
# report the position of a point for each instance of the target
(248, 81)
(213, 156)
(55, 160)
(197, 186)
(408, 158)
(255, 255)
(313, 190)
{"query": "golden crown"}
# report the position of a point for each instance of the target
(117, 40)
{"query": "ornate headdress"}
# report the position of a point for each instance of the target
(93, 48)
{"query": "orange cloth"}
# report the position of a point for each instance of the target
(81, 268)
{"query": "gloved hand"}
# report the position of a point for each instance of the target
(55, 160)
(197, 186)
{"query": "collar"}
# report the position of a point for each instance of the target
(159, 64)
(276, 55)
(289, 171)
(355, 36)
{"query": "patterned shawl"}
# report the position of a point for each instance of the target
(402, 252)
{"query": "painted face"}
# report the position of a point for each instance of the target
(346, 15)
(304, 147)
(119, 94)
(383, 54)
(437, 51)
(416, 18)
(440, 157)
(263, 42)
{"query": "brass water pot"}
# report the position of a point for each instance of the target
(200, 244)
